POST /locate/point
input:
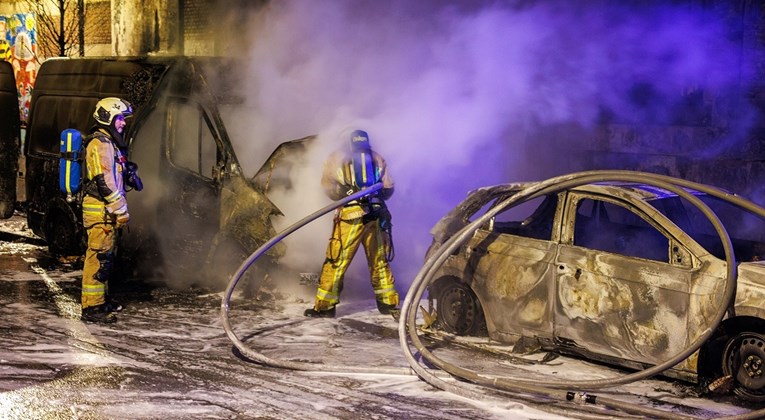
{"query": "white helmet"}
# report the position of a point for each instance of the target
(108, 108)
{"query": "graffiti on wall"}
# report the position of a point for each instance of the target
(18, 44)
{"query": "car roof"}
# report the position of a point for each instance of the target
(637, 191)
(642, 192)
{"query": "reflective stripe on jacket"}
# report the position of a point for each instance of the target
(103, 158)
(338, 180)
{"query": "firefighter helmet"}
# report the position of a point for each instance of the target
(108, 108)
(360, 140)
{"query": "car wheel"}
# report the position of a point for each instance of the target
(458, 309)
(744, 359)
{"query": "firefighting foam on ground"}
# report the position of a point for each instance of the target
(168, 357)
(456, 96)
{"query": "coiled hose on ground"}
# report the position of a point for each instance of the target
(558, 389)
(525, 389)
(260, 358)
(265, 360)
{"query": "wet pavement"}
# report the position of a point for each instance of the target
(168, 356)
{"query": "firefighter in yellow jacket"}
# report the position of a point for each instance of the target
(364, 222)
(104, 207)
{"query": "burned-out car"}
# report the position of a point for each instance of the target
(617, 272)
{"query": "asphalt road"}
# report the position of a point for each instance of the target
(168, 356)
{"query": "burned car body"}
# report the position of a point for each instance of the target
(622, 273)
(196, 205)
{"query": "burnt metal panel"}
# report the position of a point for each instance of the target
(607, 305)
(512, 277)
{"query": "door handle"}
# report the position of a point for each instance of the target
(563, 270)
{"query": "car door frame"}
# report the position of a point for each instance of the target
(595, 309)
(196, 203)
(515, 287)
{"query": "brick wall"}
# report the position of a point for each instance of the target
(196, 19)
(98, 19)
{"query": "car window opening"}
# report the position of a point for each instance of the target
(530, 219)
(605, 226)
(745, 230)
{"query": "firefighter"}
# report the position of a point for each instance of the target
(104, 207)
(365, 221)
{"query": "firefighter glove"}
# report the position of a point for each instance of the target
(122, 216)
(123, 219)
(131, 176)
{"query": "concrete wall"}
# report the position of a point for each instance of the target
(717, 147)
(141, 27)
(189, 27)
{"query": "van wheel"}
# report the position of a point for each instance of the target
(458, 309)
(744, 359)
(60, 235)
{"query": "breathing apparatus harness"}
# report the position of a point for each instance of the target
(130, 176)
(363, 173)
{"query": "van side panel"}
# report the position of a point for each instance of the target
(66, 92)
(9, 139)
(57, 111)
(98, 78)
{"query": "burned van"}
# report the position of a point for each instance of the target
(195, 197)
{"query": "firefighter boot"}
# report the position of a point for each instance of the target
(98, 314)
(112, 305)
(313, 313)
(385, 308)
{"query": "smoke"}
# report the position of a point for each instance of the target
(453, 94)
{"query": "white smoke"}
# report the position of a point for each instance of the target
(452, 93)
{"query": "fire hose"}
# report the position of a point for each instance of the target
(258, 357)
(558, 389)
(304, 366)
(518, 388)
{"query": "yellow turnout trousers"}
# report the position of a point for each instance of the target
(101, 230)
(347, 235)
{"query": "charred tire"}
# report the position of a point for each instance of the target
(458, 309)
(62, 235)
(744, 359)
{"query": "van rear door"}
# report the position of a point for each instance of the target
(9, 139)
